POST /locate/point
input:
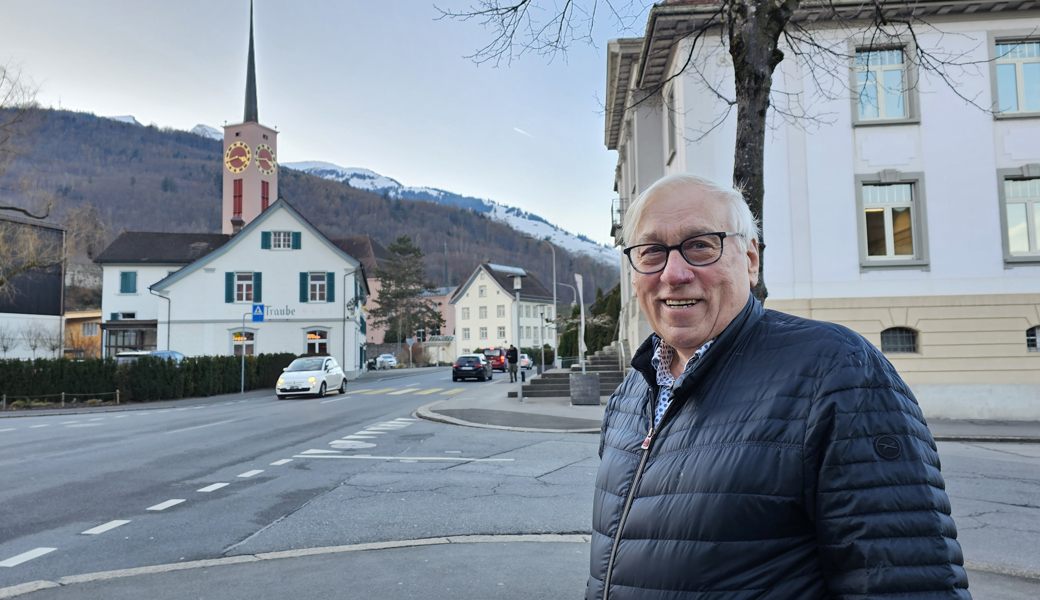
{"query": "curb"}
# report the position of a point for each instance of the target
(424, 412)
(993, 439)
(32, 586)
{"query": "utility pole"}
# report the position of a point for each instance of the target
(519, 385)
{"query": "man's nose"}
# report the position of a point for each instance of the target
(676, 270)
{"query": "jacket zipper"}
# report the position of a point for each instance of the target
(631, 495)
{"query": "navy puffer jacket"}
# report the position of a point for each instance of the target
(792, 463)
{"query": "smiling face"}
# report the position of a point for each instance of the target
(687, 306)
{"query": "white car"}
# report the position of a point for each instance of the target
(311, 375)
(386, 361)
(526, 362)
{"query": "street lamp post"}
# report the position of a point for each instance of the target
(243, 350)
(519, 385)
(556, 338)
(541, 315)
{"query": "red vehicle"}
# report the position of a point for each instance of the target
(497, 358)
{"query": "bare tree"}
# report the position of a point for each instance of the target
(755, 33)
(54, 339)
(18, 118)
(8, 338)
(33, 336)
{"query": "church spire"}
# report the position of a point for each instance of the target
(251, 113)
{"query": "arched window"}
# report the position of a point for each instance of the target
(1031, 339)
(898, 340)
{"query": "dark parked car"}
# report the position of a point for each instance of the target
(471, 366)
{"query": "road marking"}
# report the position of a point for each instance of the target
(416, 458)
(86, 425)
(450, 392)
(382, 391)
(8, 429)
(166, 504)
(312, 452)
(359, 437)
(404, 391)
(336, 399)
(67, 422)
(38, 426)
(14, 561)
(453, 451)
(279, 463)
(405, 419)
(120, 416)
(206, 425)
(103, 528)
(367, 432)
(351, 444)
(213, 488)
(251, 473)
(97, 419)
(429, 391)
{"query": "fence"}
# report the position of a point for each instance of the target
(19, 402)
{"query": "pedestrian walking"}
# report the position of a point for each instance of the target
(750, 453)
(512, 358)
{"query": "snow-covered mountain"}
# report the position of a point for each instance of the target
(126, 119)
(208, 132)
(516, 218)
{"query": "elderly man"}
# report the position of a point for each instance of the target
(752, 454)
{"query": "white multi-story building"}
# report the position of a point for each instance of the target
(906, 214)
(486, 310)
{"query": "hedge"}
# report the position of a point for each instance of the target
(144, 379)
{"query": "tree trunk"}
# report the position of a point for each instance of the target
(754, 28)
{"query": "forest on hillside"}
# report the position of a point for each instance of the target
(153, 179)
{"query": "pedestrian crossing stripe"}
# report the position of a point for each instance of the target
(373, 392)
(429, 391)
(450, 392)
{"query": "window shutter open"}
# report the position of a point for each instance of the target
(265, 240)
(297, 240)
(330, 286)
(303, 286)
(113, 317)
(229, 288)
(258, 287)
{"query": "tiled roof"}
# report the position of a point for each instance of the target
(366, 250)
(530, 288)
(149, 247)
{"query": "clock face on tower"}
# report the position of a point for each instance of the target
(237, 157)
(265, 160)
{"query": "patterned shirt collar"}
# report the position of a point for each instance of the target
(662, 360)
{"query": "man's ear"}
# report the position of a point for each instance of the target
(752, 256)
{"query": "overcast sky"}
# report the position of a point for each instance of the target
(381, 85)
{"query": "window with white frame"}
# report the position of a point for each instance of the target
(317, 342)
(1018, 76)
(281, 240)
(244, 287)
(482, 291)
(527, 330)
(1031, 339)
(465, 312)
(465, 333)
(501, 311)
(483, 333)
(318, 281)
(501, 332)
(1022, 212)
(881, 84)
(888, 213)
(482, 312)
(243, 340)
(89, 329)
(527, 311)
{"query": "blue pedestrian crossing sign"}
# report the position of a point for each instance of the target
(258, 313)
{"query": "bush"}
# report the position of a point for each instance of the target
(535, 353)
(144, 379)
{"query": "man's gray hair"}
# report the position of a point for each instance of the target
(743, 223)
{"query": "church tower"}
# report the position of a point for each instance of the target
(250, 159)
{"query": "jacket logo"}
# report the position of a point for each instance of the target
(887, 447)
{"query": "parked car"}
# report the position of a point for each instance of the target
(386, 361)
(128, 356)
(167, 355)
(311, 375)
(526, 362)
(497, 358)
(471, 366)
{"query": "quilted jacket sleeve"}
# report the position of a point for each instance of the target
(873, 487)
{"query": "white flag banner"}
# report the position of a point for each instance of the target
(582, 348)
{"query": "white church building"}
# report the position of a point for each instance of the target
(906, 214)
(270, 282)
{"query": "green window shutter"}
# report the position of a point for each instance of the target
(128, 282)
(303, 287)
(113, 317)
(330, 286)
(258, 296)
(265, 240)
(229, 288)
(297, 240)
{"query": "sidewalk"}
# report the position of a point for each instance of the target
(488, 406)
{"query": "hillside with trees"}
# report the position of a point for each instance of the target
(152, 179)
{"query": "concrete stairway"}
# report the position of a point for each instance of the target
(556, 382)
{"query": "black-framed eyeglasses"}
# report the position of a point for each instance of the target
(698, 251)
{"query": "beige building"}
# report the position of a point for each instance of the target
(83, 334)
(486, 308)
(908, 215)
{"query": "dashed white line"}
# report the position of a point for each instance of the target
(405, 391)
(14, 561)
(97, 419)
(166, 504)
(279, 463)
(415, 458)
(8, 429)
(359, 437)
(251, 473)
(336, 399)
(201, 426)
(120, 416)
(314, 452)
(38, 426)
(85, 425)
(367, 432)
(103, 528)
(213, 488)
(67, 422)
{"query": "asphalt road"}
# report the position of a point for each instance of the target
(99, 488)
